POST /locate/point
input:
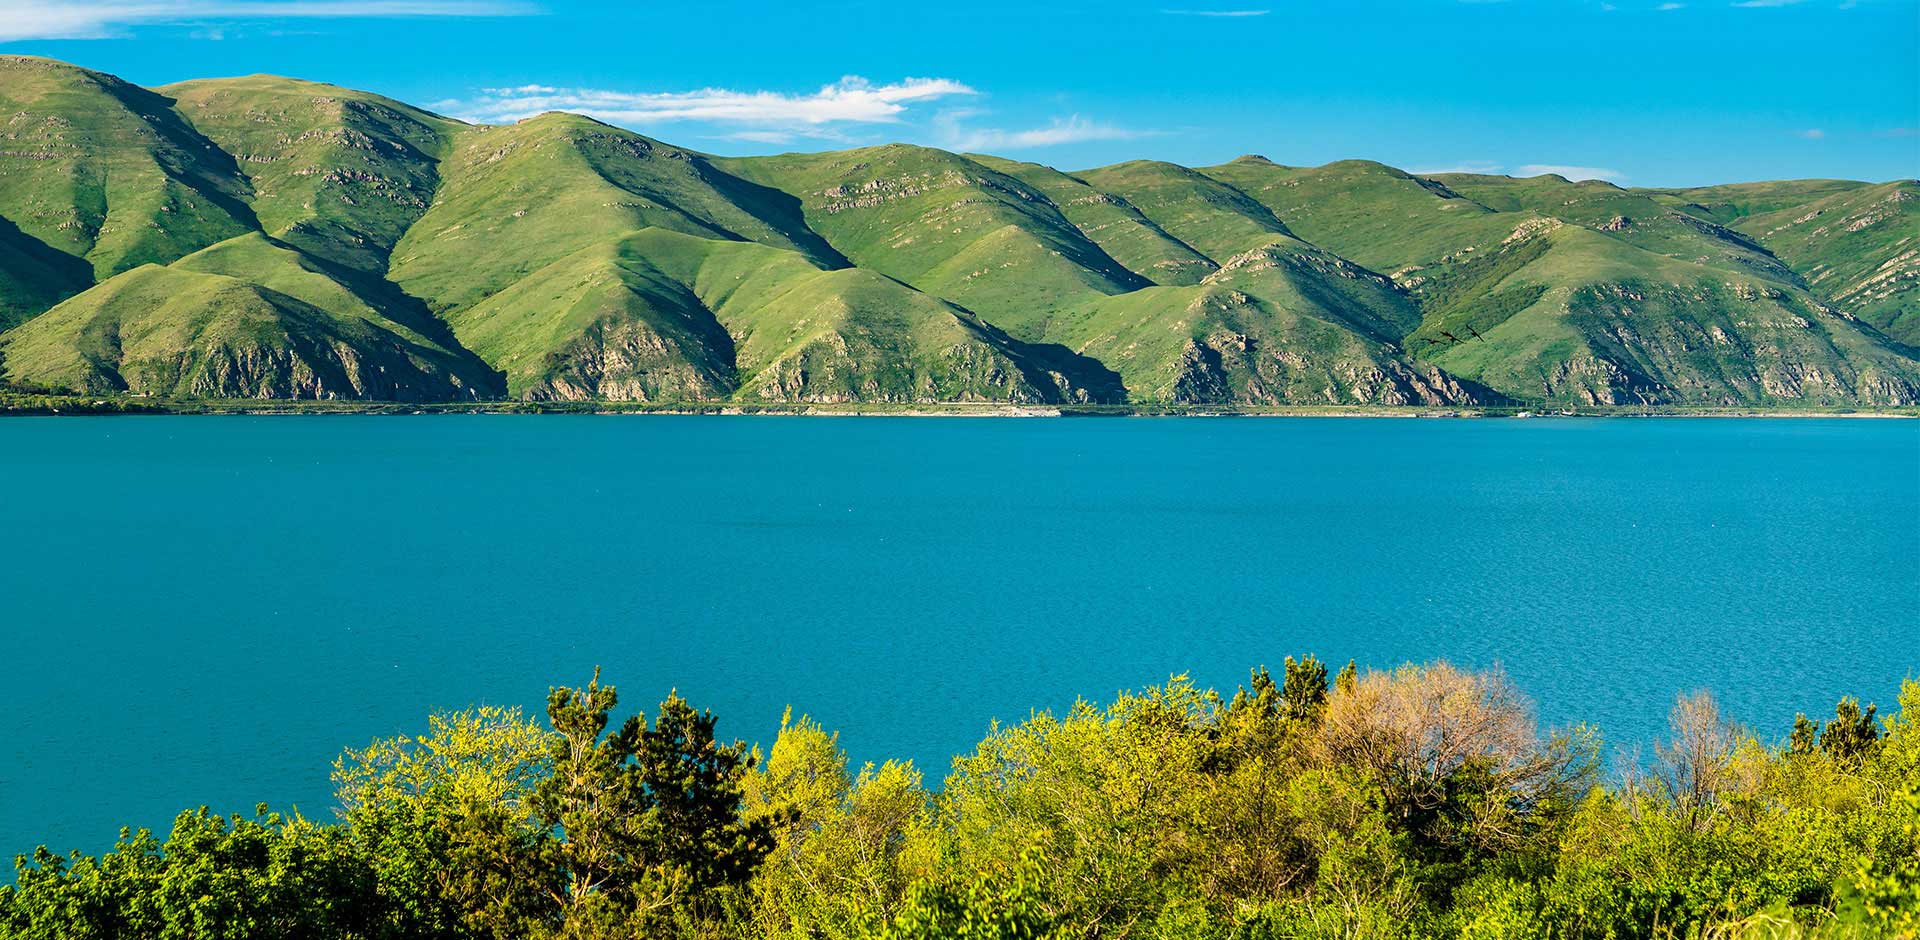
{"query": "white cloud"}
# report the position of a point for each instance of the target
(1573, 172)
(1670, 7)
(1068, 130)
(1811, 133)
(1757, 4)
(762, 116)
(1216, 12)
(99, 19)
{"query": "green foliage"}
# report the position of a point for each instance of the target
(446, 821)
(994, 906)
(846, 847)
(1851, 736)
(214, 878)
(1412, 803)
(650, 815)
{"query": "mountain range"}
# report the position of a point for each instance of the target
(266, 237)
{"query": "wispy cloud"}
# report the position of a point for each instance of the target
(761, 116)
(1899, 132)
(1811, 133)
(1216, 12)
(1761, 4)
(1573, 172)
(1670, 7)
(1068, 130)
(100, 19)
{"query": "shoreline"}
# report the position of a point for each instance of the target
(45, 406)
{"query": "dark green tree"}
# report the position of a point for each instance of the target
(1805, 733)
(1304, 693)
(1852, 734)
(649, 817)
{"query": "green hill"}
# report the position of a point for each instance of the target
(106, 171)
(276, 238)
(1112, 223)
(660, 315)
(951, 227)
(339, 173)
(34, 275)
(246, 318)
(1858, 248)
(515, 199)
(1214, 218)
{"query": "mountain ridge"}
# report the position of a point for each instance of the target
(264, 237)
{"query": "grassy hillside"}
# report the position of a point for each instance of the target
(1368, 212)
(1214, 218)
(1111, 222)
(663, 316)
(246, 318)
(1858, 248)
(339, 173)
(1281, 323)
(272, 237)
(1632, 217)
(1568, 314)
(516, 199)
(106, 171)
(950, 227)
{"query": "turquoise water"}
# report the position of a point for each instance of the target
(204, 610)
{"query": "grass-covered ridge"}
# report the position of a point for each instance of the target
(563, 259)
(1417, 802)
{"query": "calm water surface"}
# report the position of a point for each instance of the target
(204, 610)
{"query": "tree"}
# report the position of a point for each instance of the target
(215, 878)
(447, 821)
(1304, 693)
(998, 905)
(650, 817)
(1455, 753)
(1852, 734)
(1805, 733)
(1695, 767)
(847, 846)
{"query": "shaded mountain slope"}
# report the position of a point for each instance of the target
(663, 316)
(1567, 314)
(950, 227)
(1858, 248)
(514, 199)
(1111, 222)
(284, 329)
(106, 171)
(340, 174)
(35, 276)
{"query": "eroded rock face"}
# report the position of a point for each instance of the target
(1739, 344)
(847, 366)
(630, 360)
(301, 369)
(1234, 368)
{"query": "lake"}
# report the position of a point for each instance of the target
(205, 610)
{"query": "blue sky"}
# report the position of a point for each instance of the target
(1643, 92)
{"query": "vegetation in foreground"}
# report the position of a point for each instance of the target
(1418, 802)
